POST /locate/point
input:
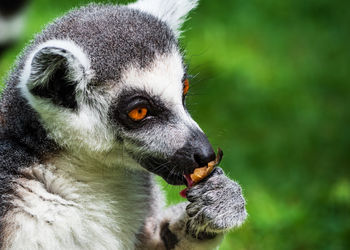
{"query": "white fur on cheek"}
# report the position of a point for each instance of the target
(173, 12)
(82, 130)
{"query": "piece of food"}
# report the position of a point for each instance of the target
(200, 173)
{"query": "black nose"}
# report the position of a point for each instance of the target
(200, 148)
(197, 152)
(203, 151)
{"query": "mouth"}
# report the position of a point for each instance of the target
(184, 174)
(189, 183)
(201, 173)
(170, 172)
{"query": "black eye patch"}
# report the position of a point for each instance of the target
(131, 99)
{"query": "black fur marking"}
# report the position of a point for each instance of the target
(165, 168)
(58, 89)
(51, 75)
(170, 240)
(130, 99)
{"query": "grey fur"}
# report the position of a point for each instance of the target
(216, 206)
(123, 36)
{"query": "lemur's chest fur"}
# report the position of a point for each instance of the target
(53, 207)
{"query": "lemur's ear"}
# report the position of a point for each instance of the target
(173, 12)
(57, 71)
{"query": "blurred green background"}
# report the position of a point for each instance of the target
(273, 92)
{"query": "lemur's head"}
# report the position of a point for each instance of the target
(112, 79)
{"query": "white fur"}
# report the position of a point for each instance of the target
(173, 12)
(11, 28)
(84, 130)
(78, 203)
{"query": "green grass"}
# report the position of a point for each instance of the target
(273, 92)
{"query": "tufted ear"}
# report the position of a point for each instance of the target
(173, 12)
(57, 71)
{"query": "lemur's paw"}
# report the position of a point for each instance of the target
(216, 205)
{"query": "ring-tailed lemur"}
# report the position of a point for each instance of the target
(94, 107)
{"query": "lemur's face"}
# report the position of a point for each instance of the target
(151, 118)
(118, 89)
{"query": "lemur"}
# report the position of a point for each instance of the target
(93, 110)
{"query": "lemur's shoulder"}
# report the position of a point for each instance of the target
(23, 142)
(13, 158)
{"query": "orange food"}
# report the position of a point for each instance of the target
(200, 173)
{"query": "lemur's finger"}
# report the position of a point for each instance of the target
(212, 182)
(194, 193)
(193, 208)
(217, 171)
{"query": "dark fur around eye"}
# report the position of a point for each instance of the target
(131, 99)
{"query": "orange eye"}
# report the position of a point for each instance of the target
(138, 114)
(186, 86)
